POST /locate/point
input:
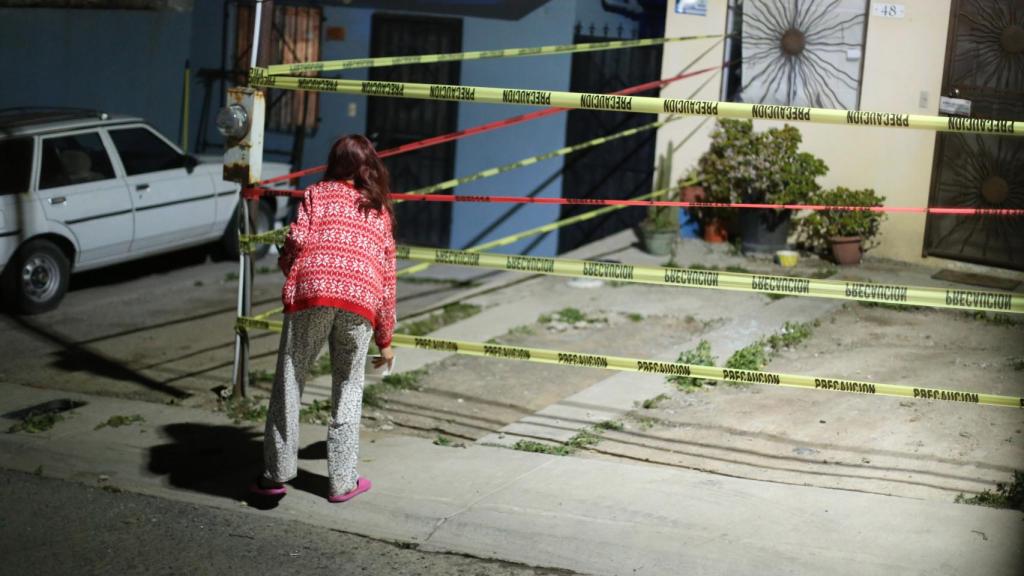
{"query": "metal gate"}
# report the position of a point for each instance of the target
(619, 170)
(396, 121)
(985, 65)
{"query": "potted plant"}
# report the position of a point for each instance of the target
(713, 227)
(660, 228)
(847, 234)
(744, 166)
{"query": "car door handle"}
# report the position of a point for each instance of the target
(142, 187)
(57, 200)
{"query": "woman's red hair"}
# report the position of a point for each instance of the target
(353, 158)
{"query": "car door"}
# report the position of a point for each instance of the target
(174, 205)
(79, 189)
(15, 181)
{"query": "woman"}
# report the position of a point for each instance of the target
(339, 260)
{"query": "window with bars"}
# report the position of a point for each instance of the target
(796, 52)
(295, 37)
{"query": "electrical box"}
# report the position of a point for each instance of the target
(241, 124)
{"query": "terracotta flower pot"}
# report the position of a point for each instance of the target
(715, 232)
(846, 250)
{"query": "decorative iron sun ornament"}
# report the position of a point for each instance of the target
(985, 173)
(803, 52)
(993, 46)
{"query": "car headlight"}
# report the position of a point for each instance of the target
(233, 121)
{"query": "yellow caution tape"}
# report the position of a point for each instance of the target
(248, 242)
(709, 372)
(277, 236)
(504, 352)
(454, 182)
(331, 65)
(763, 283)
(513, 238)
(258, 77)
(243, 323)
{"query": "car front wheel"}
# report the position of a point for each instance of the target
(37, 277)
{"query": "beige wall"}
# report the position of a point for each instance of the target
(680, 55)
(902, 58)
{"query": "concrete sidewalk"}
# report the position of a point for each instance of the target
(580, 514)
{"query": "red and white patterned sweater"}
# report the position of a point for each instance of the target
(338, 255)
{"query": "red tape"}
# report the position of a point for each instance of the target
(252, 193)
(680, 204)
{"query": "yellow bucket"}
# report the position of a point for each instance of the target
(787, 258)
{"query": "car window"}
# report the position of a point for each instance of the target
(15, 165)
(142, 151)
(74, 160)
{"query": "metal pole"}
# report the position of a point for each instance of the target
(248, 210)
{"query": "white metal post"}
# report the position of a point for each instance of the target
(247, 209)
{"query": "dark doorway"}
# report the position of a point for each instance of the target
(984, 64)
(396, 121)
(622, 169)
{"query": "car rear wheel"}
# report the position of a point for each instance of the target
(264, 223)
(37, 277)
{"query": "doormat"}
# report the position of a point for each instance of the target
(976, 279)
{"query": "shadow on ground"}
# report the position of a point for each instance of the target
(162, 264)
(222, 461)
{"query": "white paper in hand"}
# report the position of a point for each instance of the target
(384, 370)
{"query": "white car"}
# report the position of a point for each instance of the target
(80, 190)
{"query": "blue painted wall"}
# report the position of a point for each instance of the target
(123, 61)
(131, 62)
(477, 223)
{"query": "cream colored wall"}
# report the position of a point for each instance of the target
(679, 55)
(902, 58)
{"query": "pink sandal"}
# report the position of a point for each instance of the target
(362, 485)
(258, 490)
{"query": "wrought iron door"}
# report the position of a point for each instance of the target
(621, 169)
(397, 121)
(984, 64)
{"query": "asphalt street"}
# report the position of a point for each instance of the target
(57, 527)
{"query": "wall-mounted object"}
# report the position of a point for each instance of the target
(335, 33)
(887, 10)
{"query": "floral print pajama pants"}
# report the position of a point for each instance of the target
(302, 338)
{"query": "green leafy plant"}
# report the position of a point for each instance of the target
(450, 314)
(663, 218)
(1006, 495)
(742, 165)
(583, 439)
(318, 412)
(36, 422)
(793, 333)
(650, 403)
(404, 380)
(374, 394)
(569, 316)
(818, 228)
(542, 448)
(609, 425)
(261, 376)
(118, 421)
(240, 409)
(699, 356)
(752, 357)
